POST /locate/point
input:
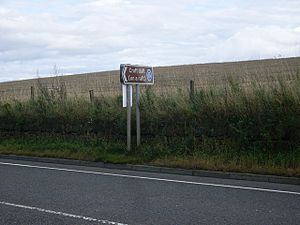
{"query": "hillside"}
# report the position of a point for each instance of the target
(167, 79)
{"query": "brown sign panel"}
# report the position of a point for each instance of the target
(130, 74)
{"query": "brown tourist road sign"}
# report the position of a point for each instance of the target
(138, 75)
(130, 74)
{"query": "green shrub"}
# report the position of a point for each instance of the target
(264, 116)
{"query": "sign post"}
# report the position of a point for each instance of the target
(138, 118)
(128, 93)
(138, 75)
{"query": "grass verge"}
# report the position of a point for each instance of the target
(113, 151)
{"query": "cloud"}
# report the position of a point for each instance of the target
(81, 36)
(258, 42)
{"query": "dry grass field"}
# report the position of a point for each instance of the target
(167, 79)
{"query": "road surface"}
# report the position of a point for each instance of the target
(42, 193)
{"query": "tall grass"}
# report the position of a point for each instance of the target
(258, 121)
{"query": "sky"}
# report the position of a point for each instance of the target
(41, 38)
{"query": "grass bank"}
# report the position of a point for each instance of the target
(212, 157)
(233, 127)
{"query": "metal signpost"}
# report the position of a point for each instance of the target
(134, 75)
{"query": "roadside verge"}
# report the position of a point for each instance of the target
(144, 168)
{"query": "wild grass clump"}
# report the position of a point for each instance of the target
(258, 122)
(264, 116)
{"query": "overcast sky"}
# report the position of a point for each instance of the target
(84, 36)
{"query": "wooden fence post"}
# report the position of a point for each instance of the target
(92, 96)
(63, 91)
(192, 90)
(32, 93)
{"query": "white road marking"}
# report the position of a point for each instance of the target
(86, 218)
(154, 178)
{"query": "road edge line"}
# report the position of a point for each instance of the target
(197, 173)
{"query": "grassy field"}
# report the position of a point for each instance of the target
(167, 79)
(228, 127)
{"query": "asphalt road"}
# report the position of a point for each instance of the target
(41, 193)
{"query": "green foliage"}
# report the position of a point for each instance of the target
(243, 118)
